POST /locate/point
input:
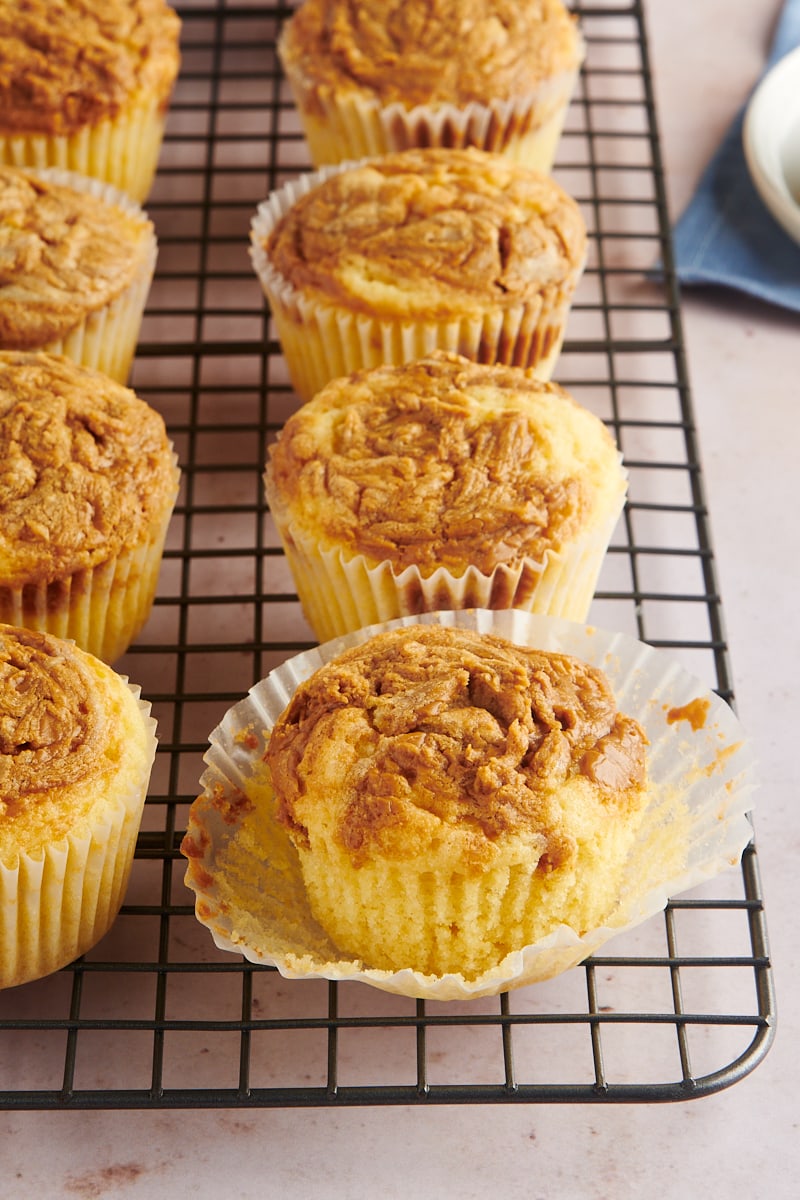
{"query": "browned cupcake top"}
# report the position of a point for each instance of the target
(85, 468)
(430, 232)
(64, 254)
(53, 724)
(442, 462)
(467, 726)
(68, 64)
(431, 51)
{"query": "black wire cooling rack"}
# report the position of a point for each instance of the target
(155, 1016)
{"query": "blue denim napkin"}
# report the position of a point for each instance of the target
(726, 235)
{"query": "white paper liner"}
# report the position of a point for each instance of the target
(321, 342)
(102, 608)
(122, 152)
(526, 128)
(106, 339)
(340, 593)
(56, 905)
(702, 782)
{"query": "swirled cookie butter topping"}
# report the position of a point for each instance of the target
(52, 721)
(64, 66)
(63, 254)
(431, 51)
(466, 728)
(430, 232)
(84, 467)
(441, 462)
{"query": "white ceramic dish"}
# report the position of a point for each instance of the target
(771, 137)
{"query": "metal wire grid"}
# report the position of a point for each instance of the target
(154, 1016)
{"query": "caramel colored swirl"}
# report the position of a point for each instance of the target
(63, 254)
(430, 232)
(85, 467)
(440, 462)
(430, 51)
(52, 723)
(477, 731)
(66, 64)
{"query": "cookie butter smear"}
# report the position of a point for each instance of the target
(68, 64)
(470, 729)
(432, 233)
(52, 721)
(82, 467)
(63, 254)
(441, 462)
(429, 51)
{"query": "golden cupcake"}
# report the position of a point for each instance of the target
(386, 260)
(76, 753)
(377, 76)
(443, 484)
(78, 260)
(88, 481)
(454, 797)
(86, 85)
(694, 822)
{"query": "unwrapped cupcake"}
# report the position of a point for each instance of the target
(88, 482)
(76, 753)
(453, 797)
(454, 805)
(384, 75)
(77, 262)
(86, 85)
(385, 260)
(439, 484)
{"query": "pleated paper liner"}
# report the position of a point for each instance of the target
(122, 151)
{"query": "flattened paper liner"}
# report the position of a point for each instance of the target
(246, 875)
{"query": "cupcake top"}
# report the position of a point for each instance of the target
(429, 232)
(64, 254)
(66, 721)
(443, 462)
(416, 52)
(431, 737)
(85, 468)
(69, 64)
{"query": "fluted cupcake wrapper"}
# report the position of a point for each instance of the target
(57, 904)
(122, 151)
(340, 593)
(324, 341)
(526, 128)
(100, 608)
(106, 339)
(246, 875)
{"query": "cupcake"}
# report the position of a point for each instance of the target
(78, 260)
(443, 484)
(86, 86)
(88, 481)
(386, 260)
(453, 797)
(75, 759)
(457, 804)
(373, 78)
